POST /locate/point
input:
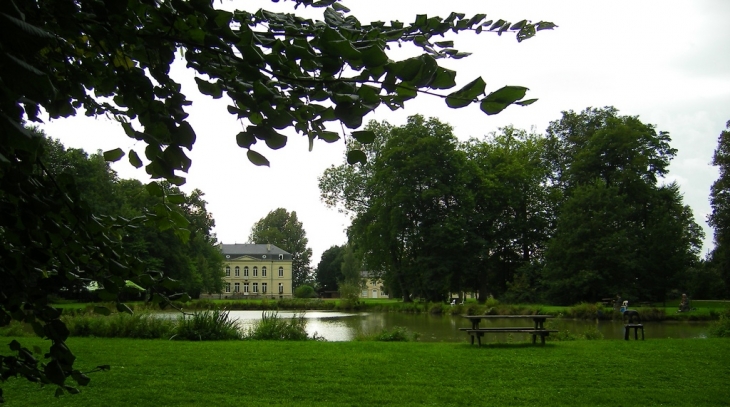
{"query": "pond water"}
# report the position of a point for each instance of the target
(342, 326)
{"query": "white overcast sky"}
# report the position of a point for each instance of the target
(666, 61)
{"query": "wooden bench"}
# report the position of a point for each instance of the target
(537, 329)
(535, 333)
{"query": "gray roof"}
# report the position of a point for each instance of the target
(251, 249)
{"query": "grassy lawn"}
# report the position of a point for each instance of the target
(272, 373)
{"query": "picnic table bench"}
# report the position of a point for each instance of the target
(537, 329)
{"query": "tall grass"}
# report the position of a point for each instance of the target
(721, 328)
(208, 325)
(120, 325)
(396, 334)
(273, 327)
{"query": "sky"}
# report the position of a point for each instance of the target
(667, 62)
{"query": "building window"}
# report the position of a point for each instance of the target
(255, 285)
(263, 271)
(281, 288)
(364, 293)
(228, 271)
(255, 271)
(245, 271)
(236, 287)
(281, 271)
(263, 288)
(228, 287)
(238, 271)
(281, 257)
(245, 287)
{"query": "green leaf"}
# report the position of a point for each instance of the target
(179, 220)
(444, 79)
(176, 198)
(134, 159)
(526, 102)
(113, 155)
(373, 56)
(245, 139)
(257, 159)
(364, 136)
(328, 136)
(444, 44)
(210, 89)
(121, 307)
(184, 135)
(467, 94)
(102, 311)
(356, 156)
(498, 100)
(54, 372)
(154, 189)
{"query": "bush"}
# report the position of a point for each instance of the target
(272, 327)
(120, 325)
(397, 334)
(721, 328)
(305, 291)
(592, 334)
(208, 325)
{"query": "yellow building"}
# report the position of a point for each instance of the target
(372, 287)
(256, 271)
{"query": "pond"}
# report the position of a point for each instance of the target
(343, 326)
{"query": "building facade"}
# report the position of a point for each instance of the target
(256, 271)
(372, 287)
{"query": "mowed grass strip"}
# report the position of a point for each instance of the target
(278, 373)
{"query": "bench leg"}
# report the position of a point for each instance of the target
(534, 338)
(472, 339)
(479, 339)
(542, 339)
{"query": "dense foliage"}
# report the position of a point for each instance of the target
(720, 216)
(576, 215)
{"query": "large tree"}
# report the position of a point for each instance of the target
(720, 202)
(113, 58)
(412, 228)
(514, 211)
(283, 229)
(618, 230)
(328, 273)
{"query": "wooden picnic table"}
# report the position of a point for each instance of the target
(537, 329)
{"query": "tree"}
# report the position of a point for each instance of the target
(515, 209)
(284, 230)
(412, 228)
(329, 269)
(617, 230)
(113, 58)
(720, 202)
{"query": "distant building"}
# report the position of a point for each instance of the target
(256, 271)
(372, 287)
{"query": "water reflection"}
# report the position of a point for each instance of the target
(342, 326)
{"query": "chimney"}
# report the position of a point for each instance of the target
(268, 247)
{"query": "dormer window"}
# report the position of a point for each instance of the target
(281, 257)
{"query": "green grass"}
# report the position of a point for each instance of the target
(272, 373)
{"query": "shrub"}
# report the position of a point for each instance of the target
(396, 334)
(592, 334)
(208, 325)
(586, 310)
(562, 336)
(273, 327)
(305, 291)
(721, 327)
(119, 325)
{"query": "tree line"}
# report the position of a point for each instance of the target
(576, 214)
(196, 263)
